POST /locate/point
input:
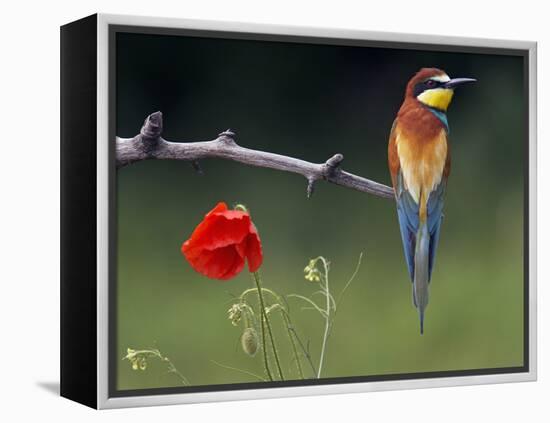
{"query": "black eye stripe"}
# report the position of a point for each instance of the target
(428, 84)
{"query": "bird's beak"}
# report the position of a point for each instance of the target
(455, 82)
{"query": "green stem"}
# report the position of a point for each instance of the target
(293, 343)
(306, 353)
(171, 368)
(255, 291)
(291, 334)
(290, 328)
(246, 372)
(327, 320)
(264, 346)
(268, 325)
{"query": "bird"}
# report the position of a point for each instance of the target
(419, 161)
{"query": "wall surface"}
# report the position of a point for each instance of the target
(30, 225)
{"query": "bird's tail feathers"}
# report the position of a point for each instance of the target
(421, 272)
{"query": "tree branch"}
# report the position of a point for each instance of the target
(149, 144)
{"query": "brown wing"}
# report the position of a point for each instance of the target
(393, 157)
(447, 168)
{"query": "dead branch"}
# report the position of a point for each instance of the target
(149, 144)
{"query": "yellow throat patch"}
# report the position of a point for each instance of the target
(439, 98)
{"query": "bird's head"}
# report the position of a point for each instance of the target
(434, 88)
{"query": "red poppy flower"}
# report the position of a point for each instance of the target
(220, 244)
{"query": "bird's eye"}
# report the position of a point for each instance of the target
(430, 83)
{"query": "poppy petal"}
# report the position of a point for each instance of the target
(254, 252)
(219, 231)
(236, 267)
(203, 226)
(222, 263)
(222, 242)
(220, 207)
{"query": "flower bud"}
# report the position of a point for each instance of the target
(235, 314)
(142, 364)
(249, 341)
(311, 273)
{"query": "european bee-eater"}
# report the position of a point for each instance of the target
(419, 160)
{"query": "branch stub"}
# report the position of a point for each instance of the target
(227, 136)
(152, 127)
(310, 187)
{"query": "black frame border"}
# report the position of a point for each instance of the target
(78, 211)
(113, 360)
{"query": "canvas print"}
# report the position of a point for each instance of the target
(292, 212)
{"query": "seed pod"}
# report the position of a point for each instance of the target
(249, 341)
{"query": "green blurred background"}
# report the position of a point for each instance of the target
(311, 101)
